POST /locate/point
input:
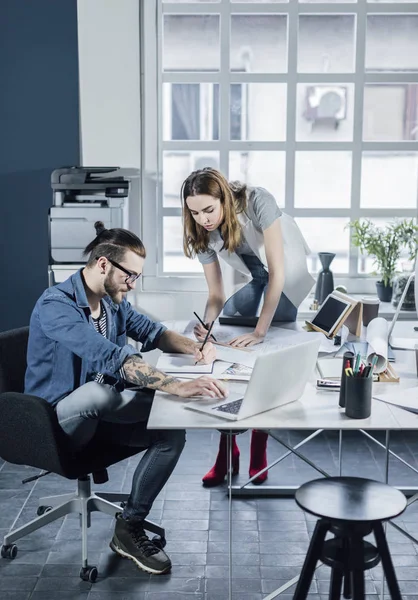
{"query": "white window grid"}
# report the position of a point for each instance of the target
(152, 144)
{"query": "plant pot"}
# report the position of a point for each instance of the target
(384, 292)
(399, 284)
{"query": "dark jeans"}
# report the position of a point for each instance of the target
(122, 418)
(247, 300)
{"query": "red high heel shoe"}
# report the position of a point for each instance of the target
(258, 455)
(217, 474)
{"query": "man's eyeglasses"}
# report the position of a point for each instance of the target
(131, 277)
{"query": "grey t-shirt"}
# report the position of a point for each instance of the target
(266, 212)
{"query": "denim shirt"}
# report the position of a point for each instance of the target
(64, 349)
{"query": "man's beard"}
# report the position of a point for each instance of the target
(112, 289)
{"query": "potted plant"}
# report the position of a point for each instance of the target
(385, 245)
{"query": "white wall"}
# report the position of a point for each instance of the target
(109, 66)
(108, 40)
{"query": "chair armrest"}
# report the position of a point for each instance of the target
(30, 433)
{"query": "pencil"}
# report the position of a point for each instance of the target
(206, 338)
(202, 323)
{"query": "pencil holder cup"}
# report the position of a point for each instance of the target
(348, 356)
(358, 397)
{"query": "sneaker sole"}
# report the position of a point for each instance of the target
(137, 562)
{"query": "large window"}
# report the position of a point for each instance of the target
(317, 102)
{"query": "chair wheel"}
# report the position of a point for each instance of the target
(159, 541)
(88, 574)
(42, 510)
(9, 551)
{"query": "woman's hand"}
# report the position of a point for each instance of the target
(207, 355)
(200, 332)
(247, 339)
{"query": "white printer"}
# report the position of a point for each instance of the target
(82, 196)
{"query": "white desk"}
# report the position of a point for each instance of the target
(315, 410)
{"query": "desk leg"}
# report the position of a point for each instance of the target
(229, 476)
(387, 442)
(387, 458)
(340, 452)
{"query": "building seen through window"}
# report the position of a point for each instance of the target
(328, 122)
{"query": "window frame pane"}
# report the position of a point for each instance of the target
(152, 146)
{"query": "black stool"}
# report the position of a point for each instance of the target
(350, 508)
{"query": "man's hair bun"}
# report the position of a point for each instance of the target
(99, 227)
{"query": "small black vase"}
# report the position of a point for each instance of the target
(325, 281)
(384, 292)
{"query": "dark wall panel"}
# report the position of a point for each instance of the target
(39, 131)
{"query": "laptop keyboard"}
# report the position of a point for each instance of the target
(230, 407)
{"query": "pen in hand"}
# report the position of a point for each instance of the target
(203, 324)
(206, 339)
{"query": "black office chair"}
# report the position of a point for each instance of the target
(30, 435)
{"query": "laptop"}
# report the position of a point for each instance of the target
(278, 377)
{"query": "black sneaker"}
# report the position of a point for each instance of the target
(131, 541)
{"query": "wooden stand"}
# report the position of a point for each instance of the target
(352, 318)
(389, 375)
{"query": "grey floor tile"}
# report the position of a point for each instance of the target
(11, 568)
(15, 595)
(173, 595)
(62, 584)
(238, 585)
(59, 595)
(184, 558)
(269, 541)
(188, 535)
(100, 595)
(269, 586)
(217, 595)
(17, 584)
(122, 584)
(238, 572)
(406, 587)
(237, 559)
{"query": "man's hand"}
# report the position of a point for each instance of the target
(207, 355)
(247, 339)
(202, 386)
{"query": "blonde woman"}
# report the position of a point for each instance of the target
(245, 227)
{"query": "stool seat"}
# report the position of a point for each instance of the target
(350, 499)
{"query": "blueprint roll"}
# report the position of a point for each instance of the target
(377, 343)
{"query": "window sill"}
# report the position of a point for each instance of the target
(386, 310)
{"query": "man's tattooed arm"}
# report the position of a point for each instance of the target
(139, 372)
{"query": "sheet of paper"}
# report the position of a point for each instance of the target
(328, 347)
(377, 339)
(182, 363)
(331, 368)
(234, 355)
(408, 399)
(236, 372)
(404, 343)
